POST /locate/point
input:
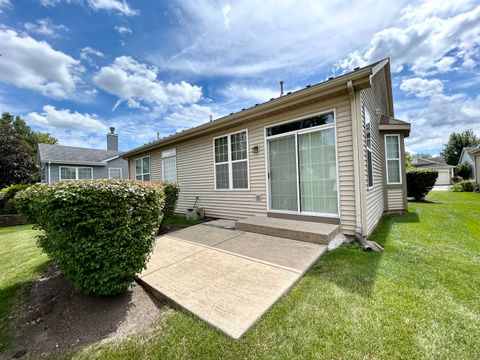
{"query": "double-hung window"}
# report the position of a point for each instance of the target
(142, 168)
(169, 165)
(369, 149)
(76, 173)
(392, 155)
(231, 161)
(114, 173)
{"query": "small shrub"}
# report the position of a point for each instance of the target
(7, 205)
(457, 187)
(464, 170)
(464, 186)
(171, 191)
(456, 179)
(100, 232)
(420, 182)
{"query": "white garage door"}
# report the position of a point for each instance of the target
(443, 177)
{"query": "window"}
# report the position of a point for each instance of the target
(169, 165)
(142, 168)
(76, 173)
(231, 161)
(114, 173)
(369, 149)
(392, 154)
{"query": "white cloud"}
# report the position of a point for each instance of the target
(250, 38)
(123, 30)
(63, 119)
(88, 52)
(184, 117)
(430, 38)
(44, 27)
(422, 87)
(5, 4)
(137, 85)
(120, 6)
(31, 64)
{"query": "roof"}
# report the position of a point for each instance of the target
(387, 120)
(390, 123)
(359, 79)
(74, 155)
(474, 150)
(432, 162)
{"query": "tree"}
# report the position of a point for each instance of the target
(16, 163)
(422, 155)
(453, 148)
(25, 134)
(464, 170)
(408, 161)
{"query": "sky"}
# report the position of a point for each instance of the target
(74, 68)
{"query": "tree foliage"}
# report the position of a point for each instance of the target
(420, 182)
(453, 148)
(25, 134)
(16, 163)
(464, 170)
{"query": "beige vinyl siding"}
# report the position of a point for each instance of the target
(395, 199)
(371, 99)
(195, 167)
(477, 168)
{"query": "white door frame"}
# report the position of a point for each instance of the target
(296, 133)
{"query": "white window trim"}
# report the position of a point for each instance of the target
(230, 162)
(399, 159)
(121, 175)
(143, 174)
(296, 132)
(76, 172)
(369, 149)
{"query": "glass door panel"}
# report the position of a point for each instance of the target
(318, 172)
(283, 173)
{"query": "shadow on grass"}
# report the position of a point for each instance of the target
(54, 316)
(356, 270)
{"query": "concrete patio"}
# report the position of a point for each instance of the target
(228, 278)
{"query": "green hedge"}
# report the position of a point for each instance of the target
(464, 186)
(7, 205)
(171, 196)
(420, 182)
(100, 232)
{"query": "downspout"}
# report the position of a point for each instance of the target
(49, 178)
(360, 219)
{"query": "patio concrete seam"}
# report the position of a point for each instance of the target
(295, 271)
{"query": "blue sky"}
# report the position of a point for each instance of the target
(75, 67)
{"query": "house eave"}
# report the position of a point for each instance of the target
(403, 128)
(74, 162)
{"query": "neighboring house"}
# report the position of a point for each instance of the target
(305, 155)
(58, 162)
(474, 154)
(465, 156)
(445, 171)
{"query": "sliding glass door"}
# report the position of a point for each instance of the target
(303, 167)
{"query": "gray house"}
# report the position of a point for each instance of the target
(467, 156)
(59, 162)
(445, 171)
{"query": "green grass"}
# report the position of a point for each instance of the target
(177, 220)
(21, 261)
(420, 299)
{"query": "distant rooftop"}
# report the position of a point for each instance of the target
(58, 153)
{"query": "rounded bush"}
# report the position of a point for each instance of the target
(7, 205)
(420, 182)
(100, 232)
(171, 191)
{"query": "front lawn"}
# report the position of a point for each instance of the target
(418, 299)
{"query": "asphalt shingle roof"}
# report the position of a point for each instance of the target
(49, 152)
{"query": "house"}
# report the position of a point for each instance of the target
(59, 162)
(466, 157)
(472, 156)
(331, 152)
(445, 171)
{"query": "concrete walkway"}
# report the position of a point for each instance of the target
(228, 278)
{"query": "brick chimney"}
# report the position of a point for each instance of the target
(112, 140)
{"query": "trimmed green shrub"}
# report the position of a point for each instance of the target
(7, 205)
(464, 170)
(420, 182)
(100, 232)
(464, 186)
(456, 179)
(171, 191)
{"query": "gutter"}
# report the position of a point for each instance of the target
(72, 162)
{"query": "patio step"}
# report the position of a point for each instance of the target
(315, 232)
